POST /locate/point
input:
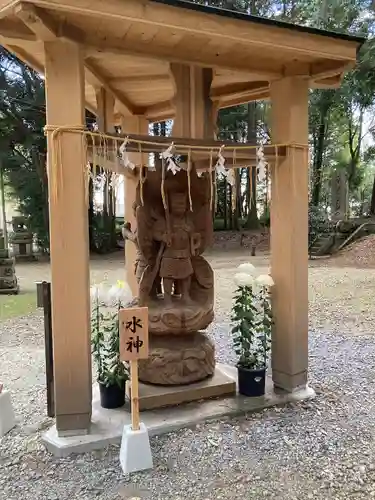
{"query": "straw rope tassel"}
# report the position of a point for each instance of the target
(275, 173)
(163, 183)
(141, 180)
(251, 185)
(93, 157)
(294, 187)
(189, 180)
(56, 167)
(87, 171)
(106, 176)
(211, 180)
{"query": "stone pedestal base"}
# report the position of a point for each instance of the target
(8, 279)
(135, 451)
(218, 385)
(178, 360)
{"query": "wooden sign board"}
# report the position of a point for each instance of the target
(133, 333)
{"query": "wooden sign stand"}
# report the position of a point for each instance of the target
(135, 453)
(134, 394)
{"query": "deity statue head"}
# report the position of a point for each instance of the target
(178, 202)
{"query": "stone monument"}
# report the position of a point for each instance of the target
(8, 279)
(339, 195)
(176, 283)
(21, 240)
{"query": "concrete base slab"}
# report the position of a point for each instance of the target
(135, 452)
(7, 417)
(107, 425)
(151, 396)
(78, 432)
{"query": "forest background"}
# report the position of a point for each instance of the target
(341, 125)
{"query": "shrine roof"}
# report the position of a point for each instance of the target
(209, 9)
(129, 45)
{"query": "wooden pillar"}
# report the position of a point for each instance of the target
(105, 110)
(289, 235)
(64, 71)
(195, 115)
(132, 125)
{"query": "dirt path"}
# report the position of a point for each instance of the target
(341, 298)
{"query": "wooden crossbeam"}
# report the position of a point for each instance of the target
(234, 152)
(158, 144)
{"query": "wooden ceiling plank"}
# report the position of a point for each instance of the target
(185, 56)
(162, 78)
(47, 30)
(98, 79)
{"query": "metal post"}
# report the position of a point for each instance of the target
(44, 300)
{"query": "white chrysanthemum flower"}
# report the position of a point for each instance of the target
(243, 279)
(98, 293)
(246, 268)
(120, 293)
(265, 280)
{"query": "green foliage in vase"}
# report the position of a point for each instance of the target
(105, 338)
(252, 321)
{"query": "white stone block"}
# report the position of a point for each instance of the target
(7, 418)
(135, 452)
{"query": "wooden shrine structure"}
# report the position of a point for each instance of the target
(132, 62)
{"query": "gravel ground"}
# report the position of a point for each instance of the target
(357, 254)
(322, 449)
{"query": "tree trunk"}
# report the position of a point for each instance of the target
(225, 208)
(91, 214)
(319, 153)
(372, 206)
(252, 221)
(237, 212)
(105, 196)
(230, 211)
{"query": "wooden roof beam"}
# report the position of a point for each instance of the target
(16, 31)
(328, 83)
(226, 96)
(321, 70)
(45, 29)
(236, 89)
(259, 94)
(37, 22)
(160, 111)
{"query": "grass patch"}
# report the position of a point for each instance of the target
(12, 306)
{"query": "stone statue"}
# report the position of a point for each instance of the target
(181, 244)
(175, 281)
